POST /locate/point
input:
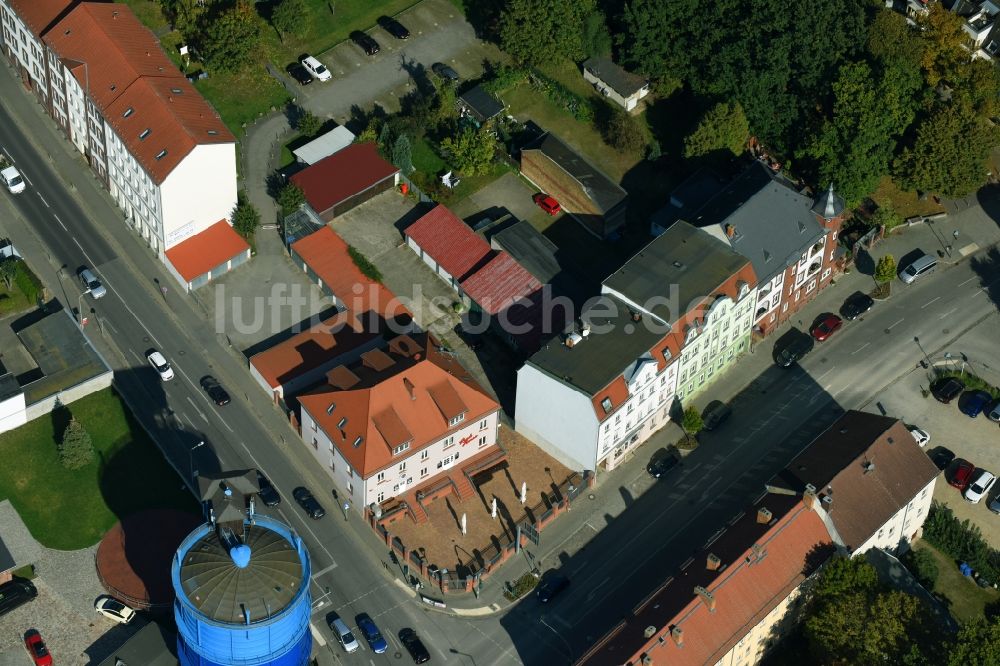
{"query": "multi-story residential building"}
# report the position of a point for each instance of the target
(981, 26)
(156, 144)
(869, 481)
(602, 389)
(702, 290)
(398, 420)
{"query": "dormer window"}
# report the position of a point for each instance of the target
(160, 155)
(399, 449)
(128, 112)
(144, 133)
(667, 354)
(213, 132)
(606, 405)
(455, 420)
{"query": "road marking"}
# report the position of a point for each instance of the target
(936, 298)
(828, 371)
(134, 315)
(593, 590)
(317, 574)
(890, 326)
(60, 222)
(226, 424)
(962, 284)
(193, 385)
(190, 421)
(43, 199)
(138, 358)
(860, 348)
(947, 313)
(200, 413)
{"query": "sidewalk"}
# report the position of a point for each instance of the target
(569, 534)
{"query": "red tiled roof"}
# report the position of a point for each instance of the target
(449, 241)
(409, 401)
(120, 64)
(39, 14)
(499, 283)
(203, 252)
(326, 254)
(342, 175)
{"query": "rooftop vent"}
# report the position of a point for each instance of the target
(649, 631)
(144, 133)
(333, 406)
(160, 155)
(213, 132)
(869, 467)
(573, 339)
(827, 499)
(177, 91)
(678, 635)
(128, 112)
(678, 264)
(358, 440)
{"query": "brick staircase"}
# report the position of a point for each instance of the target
(419, 515)
(462, 485)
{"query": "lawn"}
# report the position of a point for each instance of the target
(964, 599)
(906, 204)
(425, 159)
(24, 292)
(68, 510)
(243, 97)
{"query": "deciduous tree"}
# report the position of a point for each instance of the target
(230, 36)
(944, 37)
(291, 17)
(691, 422)
(622, 133)
(542, 31)
(471, 152)
(723, 127)
(308, 123)
(977, 644)
(8, 271)
(885, 271)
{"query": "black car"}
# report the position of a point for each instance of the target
(300, 74)
(791, 347)
(715, 413)
(947, 389)
(412, 643)
(366, 42)
(267, 493)
(856, 305)
(660, 466)
(308, 502)
(444, 71)
(941, 457)
(550, 586)
(214, 390)
(16, 593)
(393, 27)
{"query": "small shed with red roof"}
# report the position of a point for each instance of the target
(346, 179)
(208, 255)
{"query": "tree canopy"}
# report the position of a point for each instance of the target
(472, 151)
(291, 17)
(230, 36)
(723, 127)
(542, 31)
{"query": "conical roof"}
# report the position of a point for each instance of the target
(829, 205)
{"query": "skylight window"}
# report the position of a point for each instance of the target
(160, 155)
(128, 112)
(144, 133)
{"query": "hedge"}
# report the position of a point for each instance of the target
(962, 541)
(28, 283)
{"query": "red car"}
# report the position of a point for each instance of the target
(963, 475)
(547, 203)
(36, 648)
(826, 327)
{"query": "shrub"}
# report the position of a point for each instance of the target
(505, 77)
(923, 566)
(885, 216)
(623, 133)
(366, 267)
(687, 443)
(692, 423)
(885, 271)
(971, 381)
(76, 450)
(961, 541)
(579, 107)
(308, 123)
(519, 587)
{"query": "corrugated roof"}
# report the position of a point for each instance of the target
(622, 82)
(499, 283)
(605, 193)
(449, 241)
(325, 145)
(530, 249)
(407, 402)
(39, 15)
(340, 176)
(202, 252)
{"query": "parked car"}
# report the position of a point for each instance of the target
(37, 650)
(298, 72)
(371, 633)
(660, 466)
(393, 27)
(15, 593)
(980, 487)
(994, 504)
(309, 503)
(414, 646)
(941, 457)
(715, 414)
(921, 265)
(994, 411)
(92, 284)
(12, 179)
(551, 586)
(114, 610)
(547, 203)
(160, 364)
(919, 435)
(445, 72)
(366, 42)
(856, 305)
(215, 391)
(962, 475)
(971, 404)
(268, 494)
(342, 632)
(946, 390)
(316, 68)
(791, 347)
(826, 326)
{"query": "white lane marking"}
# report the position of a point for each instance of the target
(962, 284)
(828, 371)
(200, 413)
(43, 199)
(947, 313)
(193, 385)
(134, 315)
(860, 348)
(593, 589)
(226, 424)
(936, 298)
(60, 222)
(137, 357)
(894, 325)
(317, 574)
(190, 421)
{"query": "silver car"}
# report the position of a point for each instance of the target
(92, 284)
(343, 634)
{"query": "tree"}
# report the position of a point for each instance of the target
(76, 450)
(402, 154)
(291, 17)
(291, 198)
(472, 151)
(623, 134)
(885, 271)
(385, 140)
(977, 644)
(692, 422)
(230, 36)
(723, 127)
(923, 566)
(885, 216)
(944, 37)
(890, 39)
(8, 271)
(542, 31)
(845, 575)
(949, 153)
(653, 150)
(245, 217)
(596, 37)
(308, 123)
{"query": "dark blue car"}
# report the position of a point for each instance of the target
(973, 403)
(371, 633)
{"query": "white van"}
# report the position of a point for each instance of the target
(922, 265)
(343, 634)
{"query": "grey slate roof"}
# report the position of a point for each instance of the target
(622, 82)
(596, 185)
(688, 197)
(481, 103)
(829, 205)
(530, 249)
(615, 342)
(682, 258)
(771, 224)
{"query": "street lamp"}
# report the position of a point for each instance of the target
(927, 361)
(194, 448)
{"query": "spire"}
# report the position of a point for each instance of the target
(829, 205)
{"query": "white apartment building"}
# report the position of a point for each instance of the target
(22, 22)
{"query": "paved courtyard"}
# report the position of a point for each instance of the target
(441, 537)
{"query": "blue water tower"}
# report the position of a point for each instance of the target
(242, 583)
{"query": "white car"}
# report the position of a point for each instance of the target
(160, 364)
(921, 436)
(978, 489)
(13, 180)
(316, 68)
(114, 610)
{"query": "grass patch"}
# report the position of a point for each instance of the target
(906, 204)
(366, 267)
(149, 14)
(243, 97)
(425, 159)
(965, 600)
(68, 510)
(568, 74)
(27, 572)
(23, 294)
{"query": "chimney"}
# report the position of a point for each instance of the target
(646, 660)
(649, 632)
(678, 635)
(707, 597)
(764, 515)
(636, 316)
(730, 230)
(409, 388)
(809, 498)
(714, 562)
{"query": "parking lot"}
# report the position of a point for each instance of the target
(976, 440)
